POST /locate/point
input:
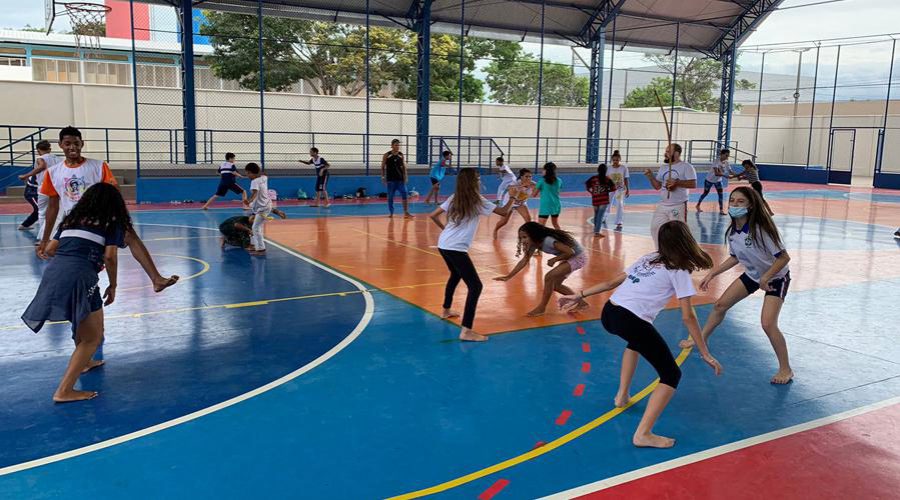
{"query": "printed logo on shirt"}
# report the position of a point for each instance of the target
(75, 187)
(748, 241)
(644, 270)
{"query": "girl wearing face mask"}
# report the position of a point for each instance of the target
(754, 242)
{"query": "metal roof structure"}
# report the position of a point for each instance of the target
(709, 27)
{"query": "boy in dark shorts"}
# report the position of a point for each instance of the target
(322, 175)
(228, 174)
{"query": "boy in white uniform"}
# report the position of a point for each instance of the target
(260, 205)
(507, 178)
(673, 181)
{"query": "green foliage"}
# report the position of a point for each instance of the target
(513, 78)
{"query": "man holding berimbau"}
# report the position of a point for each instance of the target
(673, 181)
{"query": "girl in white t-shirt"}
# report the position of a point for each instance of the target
(754, 243)
(463, 209)
(642, 291)
(519, 192)
(618, 172)
(534, 237)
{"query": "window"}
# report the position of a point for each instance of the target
(107, 73)
(157, 76)
(12, 61)
(50, 70)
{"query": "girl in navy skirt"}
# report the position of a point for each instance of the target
(87, 241)
(642, 291)
(754, 242)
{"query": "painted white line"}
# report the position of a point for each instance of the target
(714, 452)
(363, 323)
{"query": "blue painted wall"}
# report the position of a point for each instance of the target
(888, 181)
(793, 173)
(9, 176)
(162, 190)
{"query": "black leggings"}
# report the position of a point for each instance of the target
(33, 217)
(461, 268)
(643, 338)
(757, 186)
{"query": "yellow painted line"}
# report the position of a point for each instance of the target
(552, 445)
(236, 305)
(384, 269)
(202, 271)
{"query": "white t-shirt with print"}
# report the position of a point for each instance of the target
(681, 171)
(618, 175)
(756, 257)
(262, 202)
(70, 183)
(648, 287)
(458, 236)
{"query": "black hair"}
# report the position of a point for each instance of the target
(747, 163)
(253, 168)
(446, 154)
(500, 159)
(314, 150)
(725, 151)
(676, 147)
(616, 153)
(538, 232)
(523, 171)
(395, 141)
(69, 131)
(43, 145)
(601, 171)
(550, 175)
(102, 207)
(229, 156)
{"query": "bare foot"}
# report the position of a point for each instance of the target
(204, 208)
(582, 305)
(621, 400)
(93, 364)
(783, 377)
(72, 396)
(467, 335)
(447, 313)
(686, 343)
(722, 212)
(327, 206)
(496, 234)
(539, 311)
(407, 215)
(652, 441)
(161, 283)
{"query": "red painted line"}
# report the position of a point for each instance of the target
(586, 367)
(563, 417)
(579, 390)
(580, 330)
(494, 489)
(585, 347)
(538, 445)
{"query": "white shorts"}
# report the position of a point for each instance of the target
(663, 214)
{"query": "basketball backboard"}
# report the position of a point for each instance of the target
(49, 14)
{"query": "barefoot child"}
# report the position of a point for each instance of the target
(463, 209)
(549, 187)
(618, 172)
(642, 291)
(507, 179)
(437, 173)
(260, 205)
(87, 241)
(228, 175)
(519, 192)
(566, 251)
(717, 174)
(600, 186)
(753, 242)
(322, 175)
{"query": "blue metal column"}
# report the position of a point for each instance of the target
(726, 98)
(609, 94)
(595, 99)
(540, 93)
(368, 138)
(423, 82)
(188, 97)
(262, 87)
(462, 47)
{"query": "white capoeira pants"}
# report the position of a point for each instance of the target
(258, 231)
(503, 191)
(617, 200)
(663, 214)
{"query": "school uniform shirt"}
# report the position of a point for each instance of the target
(600, 190)
(319, 164)
(681, 171)
(458, 235)
(618, 175)
(226, 171)
(648, 287)
(262, 202)
(717, 171)
(70, 183)
(756, 257)
(88, 242)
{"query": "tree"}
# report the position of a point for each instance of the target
(696, 87)
(327, 56)
(513, 78)
(444, 70)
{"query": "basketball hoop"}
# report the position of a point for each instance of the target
(88, 22)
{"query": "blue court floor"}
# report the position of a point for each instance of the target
(285, 377)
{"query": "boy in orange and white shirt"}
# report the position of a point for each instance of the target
(65, 183)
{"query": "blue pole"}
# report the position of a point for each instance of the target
(134, 88)
(540, 94)
(612, 64)
(189, 102)
(262, 87)
(595, 99)
(423, 82)
(367, 139)
(812, 109)
(729, 112)
(462, 45)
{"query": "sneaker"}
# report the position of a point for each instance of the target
(897, 234)
(618, 227)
